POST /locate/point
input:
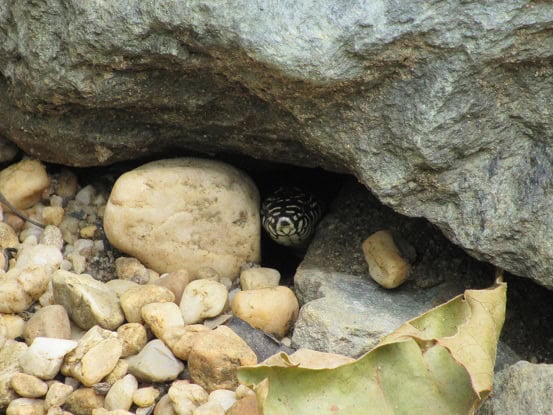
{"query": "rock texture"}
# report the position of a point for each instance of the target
(523, 388)
(186, 213)
(344, 311)
(442, 109)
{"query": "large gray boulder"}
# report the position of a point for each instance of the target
(443, 109)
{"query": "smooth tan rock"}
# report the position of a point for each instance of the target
(57, 394)
(209, 408)
(28, 386)
(88, 301)
(155, 363)
(176, 281)
(52, 215)
(145, 397)
(135, 298)
(120, 286)
(44, 357)
(51, 236)
(95, 356)
(181, 339)
(162, 318)
(119, 371)
(386, 265)
(131, 269)
(244, 406)
(13, 324)
(8, 237)
(83, 401)
(186, 213)
(273, 310)
(164, 406)
(259, 277)
(88, 232)
(50, 321)
(133, 337)
(216, 356)
(19, 288)
(46, 256)
(223, 397)
(183, 390)
(120, 396)
(203, 299)
(10, 354)
(26, 406)
(23, 183)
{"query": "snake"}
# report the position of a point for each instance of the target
(290, 215)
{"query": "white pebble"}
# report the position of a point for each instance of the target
(44, 357)
(223, 397)
(259, 277)
(120, 396)
(209, 408)
(57, 394)
(84, 247)
(86, 195)
(155, 363)
(25, 406)
(203, 299)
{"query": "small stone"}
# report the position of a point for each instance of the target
(223, 397)
(186, 396)
(164, 406)
(176, 281)
(386, 265)
(209, 408)
(272, 310)
(83, 401)
(69, 228)
(120, 286)
(118, 372)
(181, 339)
(47, 256)
(86, 195)
(23, 183)
(52, 215)
(26, 406)
(88, 301)
(216, 356)
(245, 406)
(88, 232)
(120, 396)
(10, 353)
(132, 270)
(19, 288)
(8, 237)
(207, 273)
(162, 318)
(57, 394)
(44, 357)
(135, 298)
(95, 356)
(155, 363)
(52, 236)
(28, 386)
(133, 336)
(50, 321)
(203, 299)
(259, 277)
(13, 324)
(242, 391)
(185, 213)
(84, 247)
(145, 397)
(78, 262)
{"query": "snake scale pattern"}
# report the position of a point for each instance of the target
(290, 215)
